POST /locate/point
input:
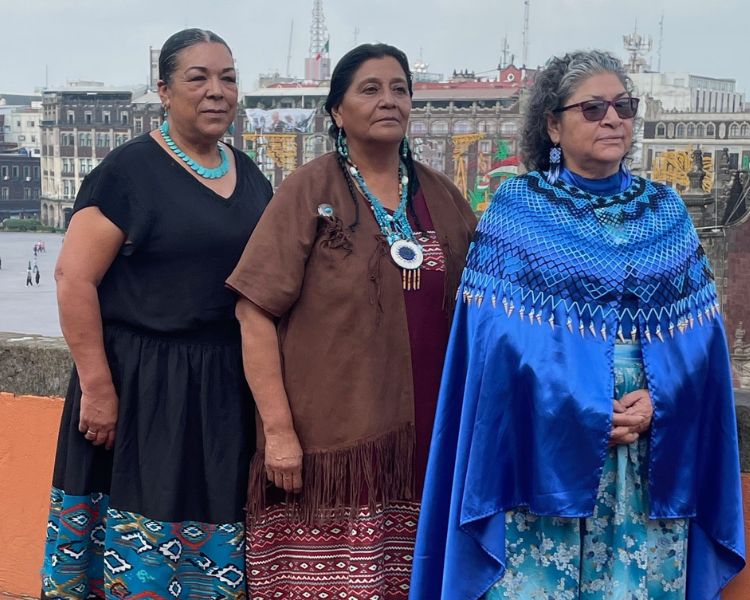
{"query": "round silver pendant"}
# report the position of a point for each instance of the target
(407, 254)
(325, 210)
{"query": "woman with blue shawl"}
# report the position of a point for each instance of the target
(585, 444)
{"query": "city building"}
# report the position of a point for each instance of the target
(80, 125)
(685, 92)
(466, 128)
(669, 137)
(22, 128)
(20, 185)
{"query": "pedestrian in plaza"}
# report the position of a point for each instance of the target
(36, 276)
(586, 444)
(28, 276)
(157, 430)
(346, 289)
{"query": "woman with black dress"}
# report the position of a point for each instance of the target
(152, 460)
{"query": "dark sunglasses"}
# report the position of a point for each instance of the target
(594, 110)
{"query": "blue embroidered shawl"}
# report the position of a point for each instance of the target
(553, 277)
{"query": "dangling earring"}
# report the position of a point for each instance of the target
(341, 146)
(555, 158)
(230, 129)
(405, 147)
(166, 112)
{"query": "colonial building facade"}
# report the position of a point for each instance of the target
(79, 127)
(465, 129)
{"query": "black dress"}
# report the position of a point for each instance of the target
(161, 515)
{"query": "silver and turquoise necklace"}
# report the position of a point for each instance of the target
(406, 251)
(205, 172)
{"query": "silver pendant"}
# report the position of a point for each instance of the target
(407, 254)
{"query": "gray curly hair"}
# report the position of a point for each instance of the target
(552, 86)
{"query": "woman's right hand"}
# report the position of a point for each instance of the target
(98, 416)
(284, 460)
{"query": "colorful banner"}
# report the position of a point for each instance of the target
(279, 120)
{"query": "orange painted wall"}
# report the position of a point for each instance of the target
(28, 435)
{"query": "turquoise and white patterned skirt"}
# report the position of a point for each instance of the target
(617, 553)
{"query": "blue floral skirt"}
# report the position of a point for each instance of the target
(618, 553)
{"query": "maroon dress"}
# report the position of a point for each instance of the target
(369, 556)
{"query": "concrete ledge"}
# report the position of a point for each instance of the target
(33, 364)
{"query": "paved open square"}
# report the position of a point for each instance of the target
(28, 309)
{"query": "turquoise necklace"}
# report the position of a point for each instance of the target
(205, 172)
(406, 251)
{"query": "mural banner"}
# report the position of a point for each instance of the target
(279, 120)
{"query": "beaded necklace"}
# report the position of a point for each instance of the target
(406, 251)
(205, 172)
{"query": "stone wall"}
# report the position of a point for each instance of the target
(32, 364)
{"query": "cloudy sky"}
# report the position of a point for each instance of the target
(108, 40)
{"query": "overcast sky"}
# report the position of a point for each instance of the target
(108, 40)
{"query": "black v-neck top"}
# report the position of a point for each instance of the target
(182, 239)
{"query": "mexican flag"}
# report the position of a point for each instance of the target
(320, 54)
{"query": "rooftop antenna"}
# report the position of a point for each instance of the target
(661, 42)
(525, 55)
(318, 31)
(289, 52)
(505, 52)
(637, 46)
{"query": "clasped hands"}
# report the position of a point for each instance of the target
(631, 417)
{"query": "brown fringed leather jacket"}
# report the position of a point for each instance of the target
(343, 333)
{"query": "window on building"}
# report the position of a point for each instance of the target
(508, 128)
(744, 130)
(36, 173)
(4, 193)
(680, 130)
(124, 118)
(155, 123)
(418, 127)
(4, 172)
(734, 130)
(463, 126)
(30, 123)
(105, 117)
(84, 139)
(27, 193)
(71, 117)
(710, 130)
(14, 172)
(87, 118)
(485, 146)
(27, 173)
(700, 130)
(661, 130)
(691, 130)
(440, 127)
(138, 125)
(102, 140)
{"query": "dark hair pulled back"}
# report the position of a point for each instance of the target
(341, 80)
(177, 42)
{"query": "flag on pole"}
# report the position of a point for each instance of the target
(324, 50)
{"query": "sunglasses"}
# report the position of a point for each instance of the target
(594, 110)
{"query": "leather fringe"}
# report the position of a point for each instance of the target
(335, 483)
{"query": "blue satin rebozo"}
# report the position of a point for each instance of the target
(524, 418)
